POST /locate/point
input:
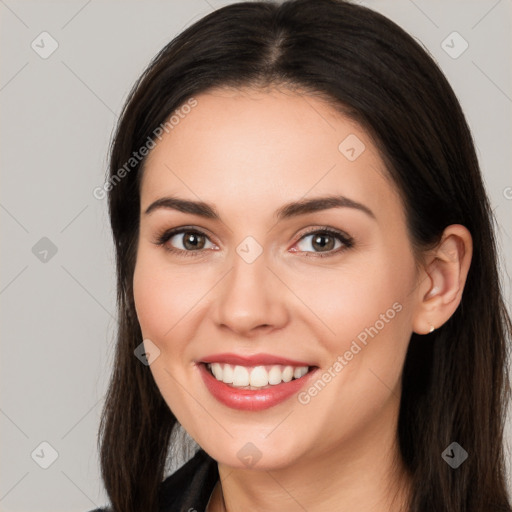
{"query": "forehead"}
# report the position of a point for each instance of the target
(262, 147)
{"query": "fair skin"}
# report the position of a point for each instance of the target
(248, 153)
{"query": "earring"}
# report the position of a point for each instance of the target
(432, 328)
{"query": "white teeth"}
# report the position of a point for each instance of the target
(275, 375)
(217, 370)
(240, 376)
(287, 373)
(227, 375)
(259, 377)
(298, 372)
(256, 376)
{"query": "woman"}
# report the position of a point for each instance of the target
(307, 276)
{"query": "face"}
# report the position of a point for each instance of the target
(259, 292)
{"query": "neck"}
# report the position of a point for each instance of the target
(364, 474)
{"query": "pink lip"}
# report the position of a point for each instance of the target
(252, 399)
(254, 360)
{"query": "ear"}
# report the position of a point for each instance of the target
(442, 279)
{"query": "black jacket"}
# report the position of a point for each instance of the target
(189, 488)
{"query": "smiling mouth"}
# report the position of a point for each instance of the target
(256, 377)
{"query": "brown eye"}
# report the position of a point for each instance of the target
(192, 240)
(320, 242)
(184, 241)
(324, 242)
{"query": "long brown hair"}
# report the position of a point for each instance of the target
(455, 381)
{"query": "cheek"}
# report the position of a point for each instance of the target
(150, 301)
(162, 296)
(360, 299)
(169, 299)
(368, 311)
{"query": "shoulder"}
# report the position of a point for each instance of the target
(189, 487)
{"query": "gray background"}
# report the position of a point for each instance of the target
(58, 113)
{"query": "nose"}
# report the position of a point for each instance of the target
(251, 299)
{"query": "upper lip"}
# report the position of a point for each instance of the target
(252, 360)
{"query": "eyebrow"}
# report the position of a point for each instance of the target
(287, 211)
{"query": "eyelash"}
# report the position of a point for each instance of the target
(345, 239)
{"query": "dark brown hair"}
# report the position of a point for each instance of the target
(455, 381)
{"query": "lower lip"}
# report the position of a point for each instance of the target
(252, 399)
